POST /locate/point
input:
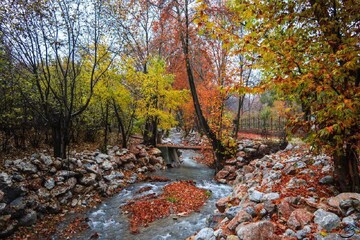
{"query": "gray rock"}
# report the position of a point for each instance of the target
(114, 175)
(289, 170)
(65, 174)
(154, 151)
(64, 199)
(102, 186)
(301, 234)
(326, 180)
(18, 177)
(46, 160)
(100, 157)
(270, 196)
(49, 183)
(269, 206)
(107, 165)
(274, 175)
(326, 220)
(289, 233)
(278, 166)
(29, 219)
(327, 168)
(296, 183)
(74, 202)
(8, 163)
(251, 211)
(205, 234)
(129, 166)
(350, 220)
(88, 179)
(240, 159)
(333, 236)
(249, 150)
(61, 189)
(132, 179)
(121, 152)
(232, 211)
(5, 180)
(289, 147)
(43, 193)
(26, 167)
(2, 207)
(300, 164)
(92, 168)
(256, 231)
(255, 195)
(18, 204)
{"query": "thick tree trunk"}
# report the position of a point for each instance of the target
(150, 132)
(347, 170)
(60, 133)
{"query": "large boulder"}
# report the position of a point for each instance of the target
(222, 203)
(257, 231)
(255, 195)
(335, 201)
(240, 217)
(326, 220)
(299, 218)
(25, 167)
(205, 234)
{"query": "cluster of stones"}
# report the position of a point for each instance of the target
(247, 151)
(40, 184)
(254, 211)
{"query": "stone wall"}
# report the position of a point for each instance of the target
(41, 184)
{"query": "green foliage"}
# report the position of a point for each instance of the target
(208, 193)
(172, 199)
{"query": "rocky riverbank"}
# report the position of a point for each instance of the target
(286, 195)
(36, 186)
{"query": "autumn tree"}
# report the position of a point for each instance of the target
(156, 100)
(308, 51)
(183, 13)
(48, 42)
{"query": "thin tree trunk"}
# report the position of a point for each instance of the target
(106, 132)
(121, 127)
(216, 143)
(237, 118)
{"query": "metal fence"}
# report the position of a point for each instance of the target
(265, 126)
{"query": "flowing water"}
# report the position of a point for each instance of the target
(110, 223)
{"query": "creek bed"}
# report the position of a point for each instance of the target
(108, 221)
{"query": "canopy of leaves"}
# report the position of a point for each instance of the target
(309, 52)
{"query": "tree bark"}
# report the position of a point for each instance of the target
(121, 127)
(217, 145)
(237, 119)
(347, 169)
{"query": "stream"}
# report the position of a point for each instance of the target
(110, 223)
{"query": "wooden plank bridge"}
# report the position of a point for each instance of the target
(170, 154)
(189, 147)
